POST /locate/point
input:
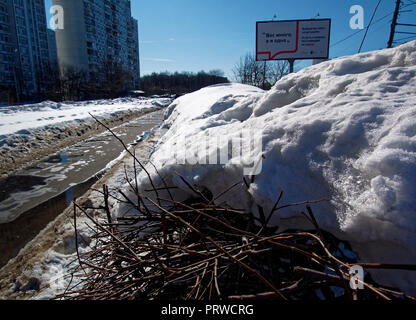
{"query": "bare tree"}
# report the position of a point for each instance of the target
(109, 80)
(277, 70)
(72, 83)
(116, 79)
(257, 73)
(248, 71)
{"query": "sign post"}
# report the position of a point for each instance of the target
(291, 64)
(292, 40)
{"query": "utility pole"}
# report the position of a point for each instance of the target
(393, 24)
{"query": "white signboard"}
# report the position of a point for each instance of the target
(293, 39)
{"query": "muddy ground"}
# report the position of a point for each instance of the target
(34, 258)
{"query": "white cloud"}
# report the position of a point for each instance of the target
(157, 59)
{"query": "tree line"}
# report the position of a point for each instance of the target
(108, 80)
(180, 83)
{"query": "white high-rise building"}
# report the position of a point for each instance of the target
(96, 31)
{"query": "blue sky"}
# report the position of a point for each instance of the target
(194, 35)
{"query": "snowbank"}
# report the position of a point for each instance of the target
(33, 131)
(18, 119)
(344, 130)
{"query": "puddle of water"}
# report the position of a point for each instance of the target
(53, 176)
(35, 196)
(19, 183)
(15, 235)
(57, 158)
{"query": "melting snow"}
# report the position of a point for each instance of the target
(344, 130)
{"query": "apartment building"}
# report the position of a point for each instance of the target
(24, 54)
(133, 50)
(53, 54)
(96, 31)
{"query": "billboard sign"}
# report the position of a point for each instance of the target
(293, 39)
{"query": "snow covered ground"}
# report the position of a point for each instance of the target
(19, 119)
(33, 131)
(344, 130)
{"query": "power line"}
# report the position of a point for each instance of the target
(357, 32)
(346, 38)
(406, 32)
(368, 27)
(406, 24)
(412, 3)
(404, 39)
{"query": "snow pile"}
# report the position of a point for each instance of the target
(344, 130)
